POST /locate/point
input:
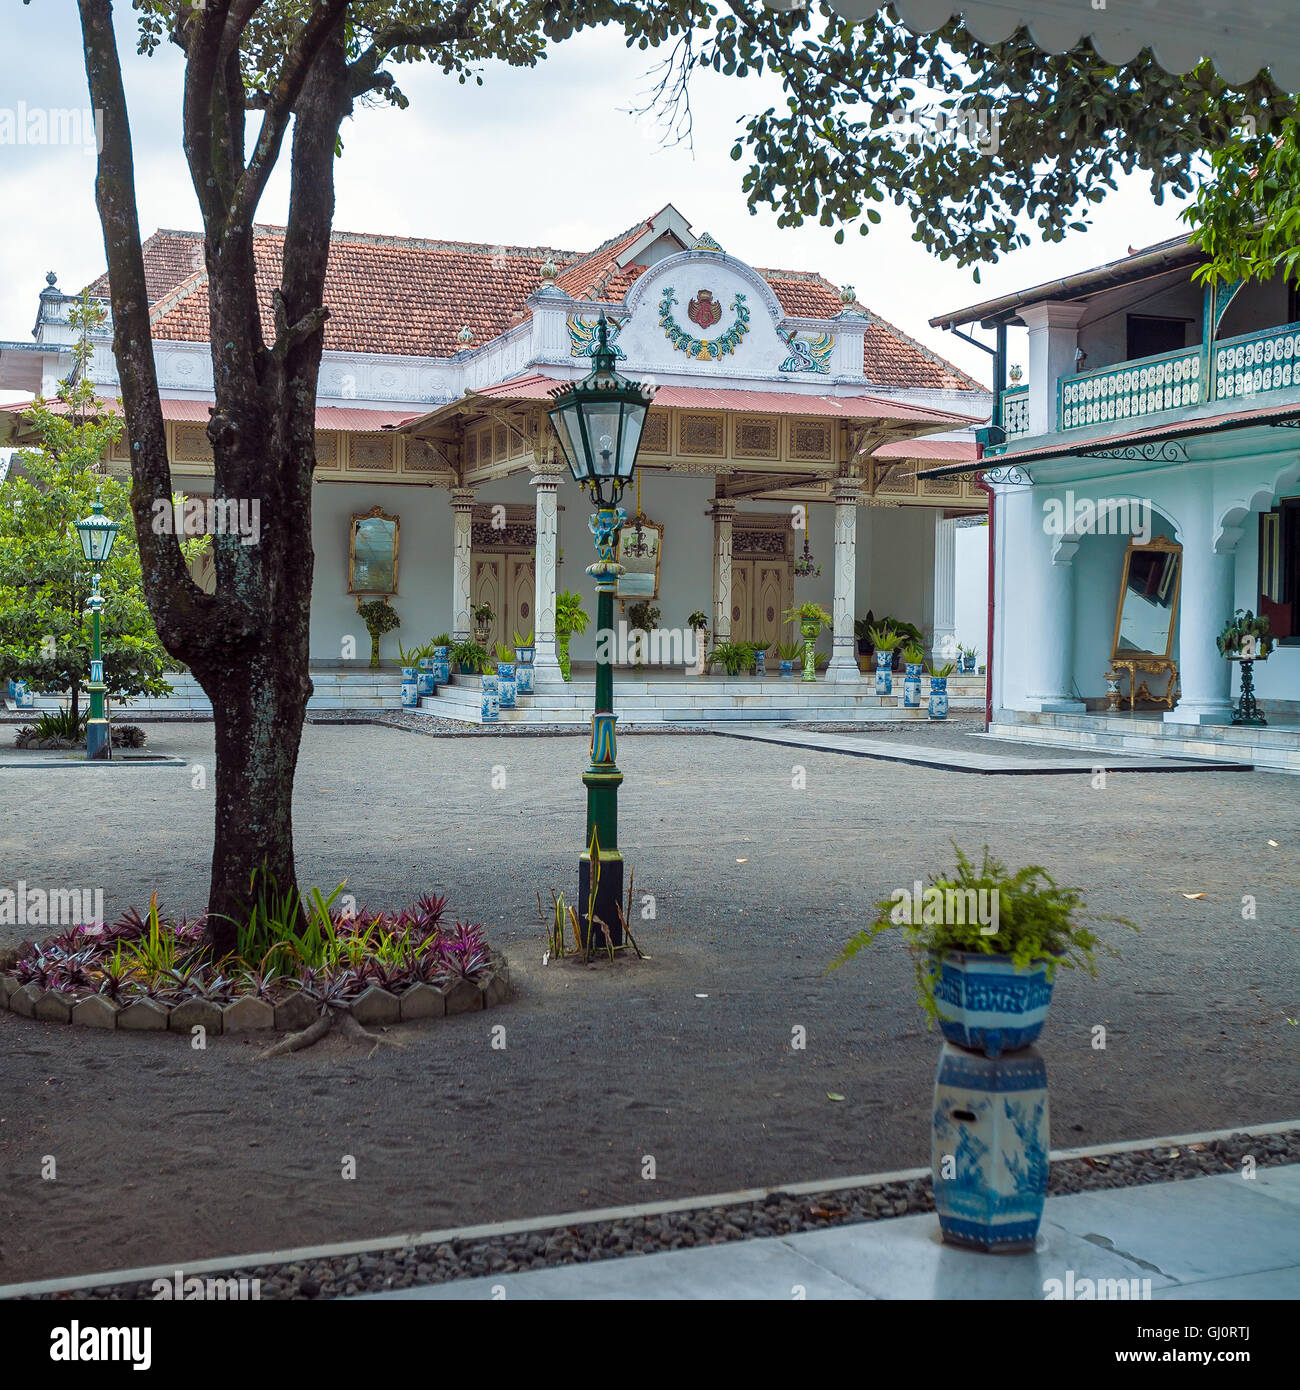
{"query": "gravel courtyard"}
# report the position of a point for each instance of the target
(168, 1154)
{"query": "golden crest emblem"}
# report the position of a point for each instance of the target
(704, 310)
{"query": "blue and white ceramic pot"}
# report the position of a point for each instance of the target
(787, 668)
(912, 686)
(938, 697)
(491, 706)
(760, 663)
(989, 1004)
(506, 686)
(884, 673)
(10, 688)
(524, 665)
(989, 1148)
(23, 697)
(424, 678)
(967, 664)
(410, 688)
(441, 665)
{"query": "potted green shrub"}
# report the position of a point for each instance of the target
(986, 944)
(698, 623)
(731, 656)
(484, 617)
(470, 656)
(1247, 638)
(379, 619)
(570, 618)
(810, 618)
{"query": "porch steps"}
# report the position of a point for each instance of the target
(693, 700)
(1275, 749)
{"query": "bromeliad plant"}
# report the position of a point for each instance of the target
(309, 944)
(1036, 920)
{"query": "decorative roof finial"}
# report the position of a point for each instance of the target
(50, 277)
(1016, 373)
(465, 336)
(706, 243)
(848, 296)
(548, 270)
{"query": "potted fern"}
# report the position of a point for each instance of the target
(986, 944)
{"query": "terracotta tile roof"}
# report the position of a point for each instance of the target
(412, 296)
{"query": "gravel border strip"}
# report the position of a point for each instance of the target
(775, 1214)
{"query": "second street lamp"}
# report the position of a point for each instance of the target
(598, 422)
(97, 534)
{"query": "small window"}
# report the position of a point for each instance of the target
(1149, 336)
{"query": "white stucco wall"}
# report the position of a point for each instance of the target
(972, 596)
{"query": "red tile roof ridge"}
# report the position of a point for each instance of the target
(929, 353)
(178, 295)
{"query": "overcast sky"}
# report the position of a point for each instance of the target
(496, 164)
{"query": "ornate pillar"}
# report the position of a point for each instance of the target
(546, 479)
(462, 512)
(844, 661)
(1205, 603)
(943, 641)
(723, 510)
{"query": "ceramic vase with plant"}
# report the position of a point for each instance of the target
(810, 618)
(506, 686)
(883, 641)
(938, 707)
(969, 656)
(789, 653)
(442, 659)
(913, 662)
(570, 618)
(525, 655)
(470, 657)
(484, 617)
(986, 944)
(379, 619)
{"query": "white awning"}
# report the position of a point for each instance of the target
(1241, 38)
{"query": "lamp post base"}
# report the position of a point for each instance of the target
(609, 898)
(99, 740)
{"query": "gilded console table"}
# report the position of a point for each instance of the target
(1140, 690)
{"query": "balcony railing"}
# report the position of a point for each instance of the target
(1248, 366)
(1257, 362)
(1168, 381)
(1015, 410)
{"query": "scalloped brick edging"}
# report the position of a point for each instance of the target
(247, 1014)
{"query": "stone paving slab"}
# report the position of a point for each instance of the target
(1214, 1237)
(959, 760)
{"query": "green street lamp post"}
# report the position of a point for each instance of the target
(598, 422)
(97, 534)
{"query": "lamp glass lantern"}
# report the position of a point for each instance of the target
(97, 534)
(598, 422)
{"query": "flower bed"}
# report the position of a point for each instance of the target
(295, 970)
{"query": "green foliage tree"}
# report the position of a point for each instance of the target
(45, 581)
(845, 141)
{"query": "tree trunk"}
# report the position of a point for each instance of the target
(248, 643)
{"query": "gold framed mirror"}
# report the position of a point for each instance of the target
(1146, 617)
(372, 553)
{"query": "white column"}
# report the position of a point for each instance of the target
(1205, 603)
(722, 512)
(546, 479)
(1050, 637)
(1053, 339)
(844, 661)
(462, 512)
(943, 640)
